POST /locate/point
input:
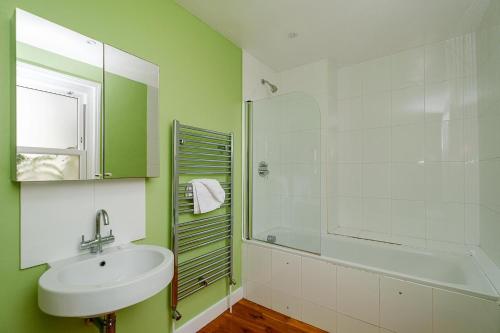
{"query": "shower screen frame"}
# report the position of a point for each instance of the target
(248, 172)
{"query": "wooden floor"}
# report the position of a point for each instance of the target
(249, 317)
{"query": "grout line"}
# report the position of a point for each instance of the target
(379, 301)
(336, 296)
(424, 150)
(390, 164)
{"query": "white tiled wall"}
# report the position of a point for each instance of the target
(488, 59)
(405, 147)
(292, 140)
(268, 142)
(347, 300)
(54, 216)
(314, 80)
(286, 136)
(411, 140)
(409, 143)
(399, 159)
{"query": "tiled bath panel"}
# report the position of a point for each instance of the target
(344, 299)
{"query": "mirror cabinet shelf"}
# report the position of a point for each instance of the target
(84, 110)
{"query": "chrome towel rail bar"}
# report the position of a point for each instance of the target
(204, 173)
(187, 282)
(188, 153)
(183, 134)
(193, 247)
(203, 220)
(190, 210)
(211, 236)
(197, 148)
(203, 232)
(188, 268)
(203, 226)
(185, 264)
(202, 245)
(208, 143)
(203, 130)
(192, 160)
(205, 283)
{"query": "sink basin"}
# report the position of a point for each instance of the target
(91, 285)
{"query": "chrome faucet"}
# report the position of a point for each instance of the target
(95, 245)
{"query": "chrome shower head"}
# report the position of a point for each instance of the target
(273, 87)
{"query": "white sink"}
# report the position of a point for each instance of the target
(94, 284)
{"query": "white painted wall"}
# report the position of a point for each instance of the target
(253, 72)
(54, 216)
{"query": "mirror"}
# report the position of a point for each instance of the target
(76, 119)
(131, 145)
(58, 101)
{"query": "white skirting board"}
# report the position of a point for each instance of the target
(210, 314)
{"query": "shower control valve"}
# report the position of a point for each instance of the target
(263, 169)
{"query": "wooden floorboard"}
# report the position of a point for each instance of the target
(249, 317)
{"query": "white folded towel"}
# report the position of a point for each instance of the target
(208, 195)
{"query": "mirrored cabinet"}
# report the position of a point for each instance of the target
(84, 110)
(130, 115)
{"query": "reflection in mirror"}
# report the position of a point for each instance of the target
(58, 101)
(131, 144)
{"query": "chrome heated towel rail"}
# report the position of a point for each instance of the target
(202, 244)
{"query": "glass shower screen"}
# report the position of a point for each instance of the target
(285, 171)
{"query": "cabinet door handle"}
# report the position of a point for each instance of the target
(108, 174)
(98, 175)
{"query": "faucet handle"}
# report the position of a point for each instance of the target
(111, 232)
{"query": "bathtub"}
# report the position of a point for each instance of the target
(454, 271)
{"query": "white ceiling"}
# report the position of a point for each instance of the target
(349, 31)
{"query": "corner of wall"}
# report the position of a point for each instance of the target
(253, 71)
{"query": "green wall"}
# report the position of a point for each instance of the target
(126, 126)
(200, 84)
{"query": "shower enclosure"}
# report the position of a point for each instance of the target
(399, 194)
(284, 171)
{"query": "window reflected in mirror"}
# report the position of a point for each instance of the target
(58, 101)
(47, 119)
